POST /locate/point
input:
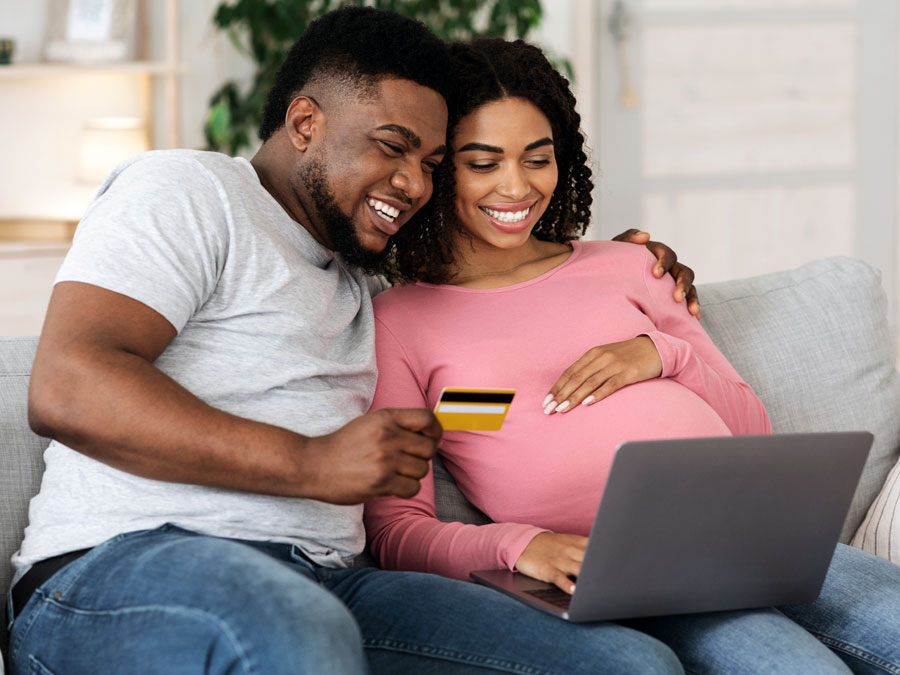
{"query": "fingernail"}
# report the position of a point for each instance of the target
(547, 400)
(588, 400)
(572, 588)
(562, 406)
(549, 408)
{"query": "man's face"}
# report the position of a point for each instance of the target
(370, 170)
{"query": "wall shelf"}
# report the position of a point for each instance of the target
(36, 229)
(46, 69)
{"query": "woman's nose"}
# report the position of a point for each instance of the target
(514, 184)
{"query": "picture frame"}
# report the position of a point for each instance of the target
(90, 31)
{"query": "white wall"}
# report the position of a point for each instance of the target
(816, 111)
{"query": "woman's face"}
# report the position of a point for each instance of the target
(505, 171)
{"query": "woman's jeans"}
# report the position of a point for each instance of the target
(172, 601)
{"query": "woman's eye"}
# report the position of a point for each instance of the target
(538, 162)
(482, 166)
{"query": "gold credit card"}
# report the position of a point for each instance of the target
(472, 409)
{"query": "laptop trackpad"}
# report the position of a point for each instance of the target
(539, 594)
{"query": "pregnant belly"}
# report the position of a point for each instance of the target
(550, 470)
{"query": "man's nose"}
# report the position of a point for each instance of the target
(410, 179)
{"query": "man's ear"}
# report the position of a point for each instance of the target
(302, 120)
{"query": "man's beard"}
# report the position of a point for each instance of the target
(338, 226)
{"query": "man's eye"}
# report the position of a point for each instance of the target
(429, 167)
(391, 148)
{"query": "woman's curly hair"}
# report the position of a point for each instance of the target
(488, 70)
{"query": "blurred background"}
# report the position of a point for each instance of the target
(749, 135)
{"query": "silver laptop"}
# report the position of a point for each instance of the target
(698, 525)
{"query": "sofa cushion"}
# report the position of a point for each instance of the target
(449, 504)
(814, 344)
(879, 532)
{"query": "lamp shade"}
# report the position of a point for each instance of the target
(105, 142)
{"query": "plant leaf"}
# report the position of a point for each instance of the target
(218, 125)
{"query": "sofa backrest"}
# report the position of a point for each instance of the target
(815, 345)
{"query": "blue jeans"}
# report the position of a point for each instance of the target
(858, 612)
(170, 601)
(856, 616)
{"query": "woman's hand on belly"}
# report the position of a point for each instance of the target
(553, 558)
(603, 370)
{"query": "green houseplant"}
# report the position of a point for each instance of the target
(265, 30)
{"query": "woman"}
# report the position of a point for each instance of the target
(598, 351)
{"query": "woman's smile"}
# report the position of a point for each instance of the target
(511, 217)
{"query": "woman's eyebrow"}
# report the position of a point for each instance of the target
(481, 146)
(498, 150)
(538, 144)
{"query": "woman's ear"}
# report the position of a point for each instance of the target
(301, 120)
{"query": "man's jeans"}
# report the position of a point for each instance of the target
(171, 601)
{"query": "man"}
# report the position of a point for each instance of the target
(205, 369)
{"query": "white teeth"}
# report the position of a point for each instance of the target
(507, 216)
(386, 211)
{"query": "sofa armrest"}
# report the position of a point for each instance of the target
(21, 452)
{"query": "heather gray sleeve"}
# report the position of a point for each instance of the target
(157, 232)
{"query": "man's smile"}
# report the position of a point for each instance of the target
(386, 211)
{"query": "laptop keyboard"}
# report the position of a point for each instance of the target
(554, 596)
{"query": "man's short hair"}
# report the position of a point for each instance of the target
(354, 47)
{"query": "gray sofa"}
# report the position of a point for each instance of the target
(813, 342)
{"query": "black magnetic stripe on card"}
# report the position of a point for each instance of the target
(474, 397)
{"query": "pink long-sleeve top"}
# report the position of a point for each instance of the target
(540, 472)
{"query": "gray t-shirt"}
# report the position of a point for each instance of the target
(271, 326)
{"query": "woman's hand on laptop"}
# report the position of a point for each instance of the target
(554, 558)
(603, 370)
